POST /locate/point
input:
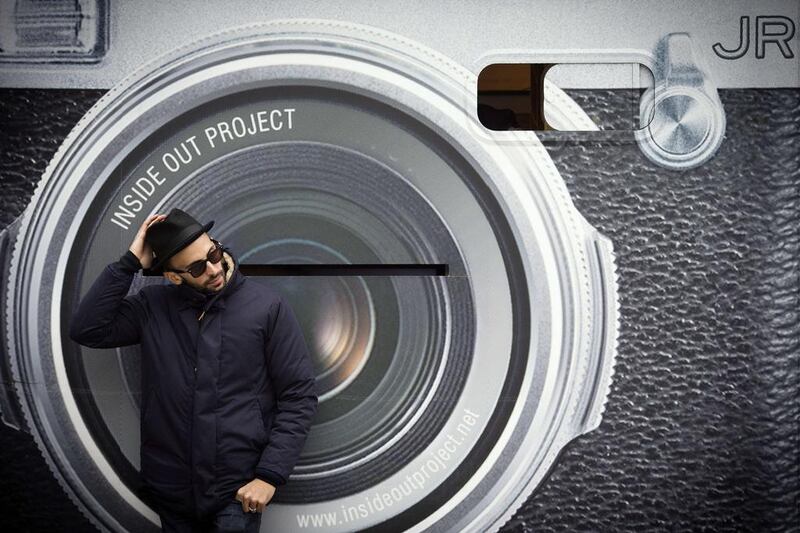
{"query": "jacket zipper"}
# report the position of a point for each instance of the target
(194, 382)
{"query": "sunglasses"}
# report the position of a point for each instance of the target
(197, 268)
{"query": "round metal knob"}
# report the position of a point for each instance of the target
(680, 125)
(686, 128)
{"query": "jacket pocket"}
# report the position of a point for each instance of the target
(159, 466)
(156, 428)
(266, 423)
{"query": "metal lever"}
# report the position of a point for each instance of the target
(685, 120)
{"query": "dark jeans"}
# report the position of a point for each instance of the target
(229, 519)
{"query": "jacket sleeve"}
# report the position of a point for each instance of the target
(106, 317)
(289, 366)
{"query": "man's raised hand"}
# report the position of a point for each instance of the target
(140, 247)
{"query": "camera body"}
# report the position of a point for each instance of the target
(374, 142)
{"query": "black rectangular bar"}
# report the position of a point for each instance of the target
(341, 270)
(344, 270)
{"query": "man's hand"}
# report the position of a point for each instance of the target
(139, 246)
(255, 494)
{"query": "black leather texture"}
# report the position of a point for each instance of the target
(701, 427)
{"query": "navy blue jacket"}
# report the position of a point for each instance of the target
(228, 389)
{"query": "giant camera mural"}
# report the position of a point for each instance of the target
(450, 383)
(311, 145)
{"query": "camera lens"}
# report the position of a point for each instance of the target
(389, 351)
(312, 146)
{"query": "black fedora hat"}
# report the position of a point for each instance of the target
(172, 235)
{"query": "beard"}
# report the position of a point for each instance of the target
(208, 289)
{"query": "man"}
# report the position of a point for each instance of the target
(228, 389)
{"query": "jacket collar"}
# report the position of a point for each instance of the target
(191, 297)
